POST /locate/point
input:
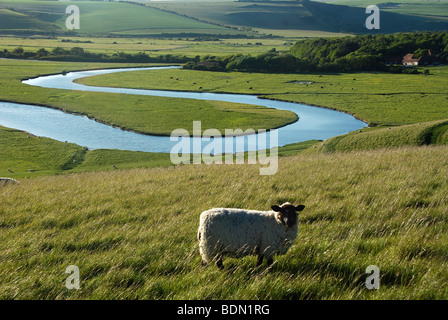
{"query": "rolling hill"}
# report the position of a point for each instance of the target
(97, 18)
(13, 21)
(211, 17)
(301, 15)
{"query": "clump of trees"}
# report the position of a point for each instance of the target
(358, 53)
(271, 61)
(369, 52)
(79, 54)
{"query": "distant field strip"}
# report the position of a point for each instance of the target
(97, 18)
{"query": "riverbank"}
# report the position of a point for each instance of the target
(313, 125)
(379, 99)
(149, 115)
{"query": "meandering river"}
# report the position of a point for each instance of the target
(314, 122)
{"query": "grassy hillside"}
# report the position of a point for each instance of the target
(154, 47)
(362, 208)
(104, 18)
(23, 155)
(434, 133)
(20, 22)
(417, 7)
(213, 17)
(21, 152)
(306, 15)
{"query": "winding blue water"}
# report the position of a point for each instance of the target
(314, 122)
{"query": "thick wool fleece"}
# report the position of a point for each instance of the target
(238, 232)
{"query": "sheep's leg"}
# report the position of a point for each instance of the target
(270, 261)
(219, 263)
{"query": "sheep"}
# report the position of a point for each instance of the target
(239, 232)
(7, 181)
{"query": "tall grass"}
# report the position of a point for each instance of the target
(133, 233)
(433, 132)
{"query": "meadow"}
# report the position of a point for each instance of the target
(427, 133)
(99, 18)
(188, 46)
(128, 220)
(429, 8)
(376, 207)
(302, 16)
(23, 155)
(374, 97)
(144, 114)
(363, 208)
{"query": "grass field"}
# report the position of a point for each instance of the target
(145, 114)
(16, 21)
(23, 155)
(377, 98)
(433, 132)
(308, 15)
(377, 196)
(380, 208)
(189, 47)
(101, 18)
(156, 18)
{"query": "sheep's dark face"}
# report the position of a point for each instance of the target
(288, 213)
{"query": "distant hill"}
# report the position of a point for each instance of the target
(301, 15)
(20, 22)
(204, 17)
(97, 18)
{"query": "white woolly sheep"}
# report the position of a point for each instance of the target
(239, 232)
(7, 181)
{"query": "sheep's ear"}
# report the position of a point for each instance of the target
(276, 208)
(300, 207)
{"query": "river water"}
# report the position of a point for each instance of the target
(314, 122)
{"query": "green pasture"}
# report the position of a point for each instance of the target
(144, 114)
(381, 201)
(23, 155)
(377, 98)
(384, 207)
(28, 156)
(190, 47)
(97, 17)
(427, 133)
(418, 7)
(16, 21)
(304, 16)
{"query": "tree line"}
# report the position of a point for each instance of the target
(346, 54)
(357, 53)
(370, 52)
(80, 55)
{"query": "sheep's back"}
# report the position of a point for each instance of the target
(232, 229)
